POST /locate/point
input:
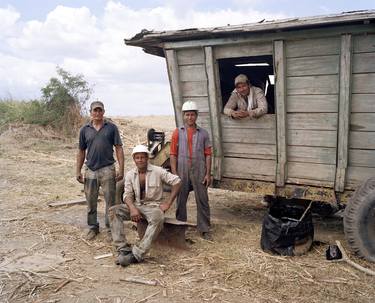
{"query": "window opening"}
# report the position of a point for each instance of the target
(259, 70)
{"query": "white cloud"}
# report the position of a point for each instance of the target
(8, 17)
(65, 32)
(126, 79)
(23, 78)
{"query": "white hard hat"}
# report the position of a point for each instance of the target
(140, 149)
(189, 106)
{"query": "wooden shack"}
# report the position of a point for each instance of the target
(318, 74)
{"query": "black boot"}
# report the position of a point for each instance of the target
(126, 259)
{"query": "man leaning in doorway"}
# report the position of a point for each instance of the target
(246, 101)
(190, 157)
(96, 141)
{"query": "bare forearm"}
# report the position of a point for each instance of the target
(173, 159)
(120, 159)
(129, 202)
(174, 192)
(80, 160)
(208, 165)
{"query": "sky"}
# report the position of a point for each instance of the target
(87, 37)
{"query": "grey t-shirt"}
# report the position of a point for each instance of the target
(99, 144)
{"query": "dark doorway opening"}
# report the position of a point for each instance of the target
(259, 70)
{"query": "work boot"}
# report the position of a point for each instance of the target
(124, 259)
(206, 236)
(123, 251)
(92, 234)
(109, 236)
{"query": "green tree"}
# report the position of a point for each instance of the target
(65, 98)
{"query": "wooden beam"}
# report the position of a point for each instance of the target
(344, 112)
(279, 58)
(174, 82)
(266, 37)
(214, 113)
(66, 203)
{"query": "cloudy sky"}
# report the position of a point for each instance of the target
(86, 36)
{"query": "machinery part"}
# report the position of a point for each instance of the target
(154, 136)
(155, 142)
(359, 221)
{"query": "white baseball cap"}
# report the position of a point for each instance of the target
(241, 78)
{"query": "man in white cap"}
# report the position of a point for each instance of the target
(190, 156)
(246, 101)
(96, 141)
(144, 199)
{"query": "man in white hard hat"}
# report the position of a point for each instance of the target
(246, 101)
(144, 199)
(190, 156)
(96, 141)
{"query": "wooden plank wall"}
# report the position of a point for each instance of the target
(193, 82)
(312, 81)
(249, 148)
(362, 119)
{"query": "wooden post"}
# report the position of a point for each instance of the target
(280, 85)
(174, 81)
(214, 113)
(344, 112)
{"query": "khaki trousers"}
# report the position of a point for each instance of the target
(155, 219)
(105, 178)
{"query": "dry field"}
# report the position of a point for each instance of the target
(44, 257)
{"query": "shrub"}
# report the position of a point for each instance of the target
(62, 104)
(65, 100)
(10, 111)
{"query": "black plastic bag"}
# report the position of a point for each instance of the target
(283, 228)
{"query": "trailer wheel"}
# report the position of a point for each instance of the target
(359, 221)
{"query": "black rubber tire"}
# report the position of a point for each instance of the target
(359, 221)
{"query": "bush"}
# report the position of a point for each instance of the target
(62, 105)
(65, 99)
(31, 112)
(10, 111)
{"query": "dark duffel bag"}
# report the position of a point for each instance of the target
(287, 230)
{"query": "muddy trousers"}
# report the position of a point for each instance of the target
(105, 178)
(201, 199)
(155, 219)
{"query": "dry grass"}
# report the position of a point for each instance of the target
(36, 168)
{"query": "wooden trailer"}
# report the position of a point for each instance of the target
(318, 140)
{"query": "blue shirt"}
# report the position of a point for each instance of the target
(99, 144)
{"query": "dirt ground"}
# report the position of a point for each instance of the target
(44, 257)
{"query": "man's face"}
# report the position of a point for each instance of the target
(140, 160)
(243, 89)
(190, 118)
(97, 114)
